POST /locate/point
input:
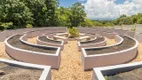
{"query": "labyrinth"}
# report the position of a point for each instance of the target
(50, 54)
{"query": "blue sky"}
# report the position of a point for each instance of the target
(107, 9)
(67, 3)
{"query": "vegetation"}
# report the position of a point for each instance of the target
(73, 32)
(37, 13)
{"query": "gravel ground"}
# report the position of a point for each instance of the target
(110, 41)
(139, 55)
(2, 51)
(32, 40)
(70, 67)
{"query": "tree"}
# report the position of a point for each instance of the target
(139, 21)
(77, 14)
(52, 12)
(15, 11)
(38, 8)
(63, 16)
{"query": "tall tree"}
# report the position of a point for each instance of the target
(77, 14)
(52, 7)
(15, 11)
(38, 8)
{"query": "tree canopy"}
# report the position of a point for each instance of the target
(41, 13)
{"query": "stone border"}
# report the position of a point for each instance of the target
(33, 57)
(46, 73)
(98, 60)
(61, 38)
(62, 34)
(50, 44)
(102, 43)
(98, 73)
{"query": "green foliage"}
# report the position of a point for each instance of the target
(38, 13)
(87, 23)
(77, 14)
(133, 29)
(8, 25)
(73, 32)
(63, 16)
(139, 21)
(29, 26)
(16, 12)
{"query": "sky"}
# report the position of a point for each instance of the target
(107, 9)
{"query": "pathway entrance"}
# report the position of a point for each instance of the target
(70, 67)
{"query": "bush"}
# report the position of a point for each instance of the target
(29, 26)
(8, 25)
(133, 29)
(73, 32)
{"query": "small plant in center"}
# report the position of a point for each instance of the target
(73, 32)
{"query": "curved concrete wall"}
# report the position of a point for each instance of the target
(50, 44)
(46, 70)
(101, 43)
(98, 60)
(61, 38)
(33, 57)
(98, 73)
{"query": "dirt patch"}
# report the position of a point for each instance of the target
(45, 39)
(127, 43)
(14, 41)
(11, 72)
(130, 75)
(98, 39)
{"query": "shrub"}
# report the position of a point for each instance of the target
(29, 26)
(8, 25)
(133, 29)
(73, 32)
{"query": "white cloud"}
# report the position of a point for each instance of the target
(108, 9)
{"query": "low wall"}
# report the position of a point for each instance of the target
(98, 73)
(46, 70)
(33, 57)
(60, 38)
(101, 43)
(98, 60)
(50, 44)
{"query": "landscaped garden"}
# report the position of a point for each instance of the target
(43, 40)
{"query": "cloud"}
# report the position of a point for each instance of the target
(108, 9)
